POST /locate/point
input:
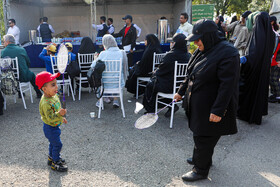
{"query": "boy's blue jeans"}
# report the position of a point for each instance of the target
(53, 135)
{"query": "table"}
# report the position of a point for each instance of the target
(34, 50)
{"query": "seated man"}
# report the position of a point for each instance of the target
(46, 55)
(12, 50)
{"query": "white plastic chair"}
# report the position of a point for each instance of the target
(112, 75)
(23, 86)
(67, 82)
(180, 71)
(85, 61)
(142, 81)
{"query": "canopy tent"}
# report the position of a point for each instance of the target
(77, 15)
(275, 9)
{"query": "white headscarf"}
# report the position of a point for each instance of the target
(109, 41)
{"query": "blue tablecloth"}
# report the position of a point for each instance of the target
(33, 52)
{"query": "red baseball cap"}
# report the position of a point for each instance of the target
(44, 77)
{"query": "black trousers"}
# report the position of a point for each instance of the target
(203, 152)
(274, 81)
(130, 59)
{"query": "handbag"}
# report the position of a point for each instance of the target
(73, 69)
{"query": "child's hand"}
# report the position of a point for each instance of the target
(62, 112)
(65, 120)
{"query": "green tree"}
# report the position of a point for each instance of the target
(223, 7)
(2, 24)
(260, 5)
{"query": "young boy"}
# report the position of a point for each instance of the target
(52, 117)
(46, 55)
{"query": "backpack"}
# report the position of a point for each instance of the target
(94, 76)
(73, 69)
(9, 83)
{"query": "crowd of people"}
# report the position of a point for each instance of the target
(226, 79)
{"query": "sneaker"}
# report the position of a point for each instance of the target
(168, 113)
(116, 104)
(107, 100)
(50, 160)
(59, 166)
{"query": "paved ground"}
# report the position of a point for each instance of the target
(111, 152)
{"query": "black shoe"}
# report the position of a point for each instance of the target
(272, 97)
(192, 176)
(168, 113)
(1, 112)
(273, 100)
(190, 161)
(50, 160)
(58, 166)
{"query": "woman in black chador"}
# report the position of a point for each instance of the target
(255, 71)
(163, 78)
(144, 67)
(211, 94)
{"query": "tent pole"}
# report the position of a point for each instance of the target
(90, 22)
(95, 30)
(6, 11)
(188, 8)
(92, 17)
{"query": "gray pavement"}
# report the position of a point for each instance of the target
(111, 152)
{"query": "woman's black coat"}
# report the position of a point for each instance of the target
(165, 72)
(211, 86)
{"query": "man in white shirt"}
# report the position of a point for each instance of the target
(14, 30)
(102, 28)
(45, 30)
(111, 28)
(185, 27)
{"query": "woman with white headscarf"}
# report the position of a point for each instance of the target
(112, 52)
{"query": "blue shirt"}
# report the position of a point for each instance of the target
(73, 56)
(47, 59)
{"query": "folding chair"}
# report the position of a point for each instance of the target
(180, 71)
(142, 81)
(67, 81)
(23, 86)
(85, 61)
(112, 76)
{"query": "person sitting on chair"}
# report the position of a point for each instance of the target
(162, 79)
(112, 52)
(144, 67)
(12, 50)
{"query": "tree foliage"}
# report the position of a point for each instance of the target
(260, 5)
(223, 7)
(2, 24)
